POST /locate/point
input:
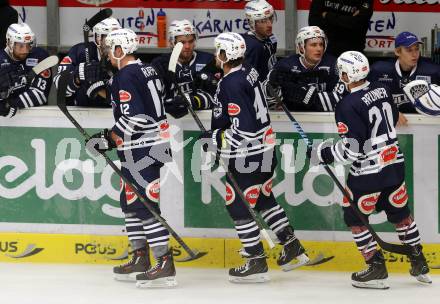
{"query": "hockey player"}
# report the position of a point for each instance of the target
(366, 120)
(408, 66)
(193, 73)
(141, 137)
(302, 91)
(87, 87)
(241, 132)
(17, 59)
(261, 43)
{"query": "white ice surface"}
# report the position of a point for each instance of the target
(77, 284)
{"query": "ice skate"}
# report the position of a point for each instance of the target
(375, 276)
(162, 275)
(419, 267)
(253, 271)
(139, 263)
(292, 250)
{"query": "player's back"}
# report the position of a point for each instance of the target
(137, 100)
(366, 118)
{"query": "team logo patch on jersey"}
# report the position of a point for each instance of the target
(269, 137)
(230, 194)
(388, 155)
(31, 62)
(153, 191)
(46, 73)
(367, 203)
(267, 187)
(66, 60)
(164, 132)
(342, 128)
(252, 193)
(399, 198)
(124, 96)
(345, 201)
(233, 109)
(130, 197)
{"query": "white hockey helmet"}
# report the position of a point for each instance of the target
(309, 32)
(180, 28)
(232, 43)
(258, 10)
(424, 96)
(125, 38)
(104, 28)
(354, 64)
(19, 32)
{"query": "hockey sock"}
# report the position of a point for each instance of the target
(249, 235)
(277, 221)
(366, 245)
(408, 232)
(157, 237)
(135, 231)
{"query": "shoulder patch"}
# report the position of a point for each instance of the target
(273, 39)
(66, 60)
(31, 62)
(46, 73)
(124, 96)
(342, 128)
(233, 109)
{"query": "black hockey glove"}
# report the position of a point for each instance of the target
(177, 108)
(280, 77)
(100, 142)
(10, 75)
(91, 72)
(6, 110)
(320, 155)
(206, 82)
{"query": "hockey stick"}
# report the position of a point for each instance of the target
(390, 247)
(87, 27)
(172, 68)
(45, 64)
(61, 95)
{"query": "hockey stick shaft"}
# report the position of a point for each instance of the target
(88, 26)
(395, 248)
(62, 105)
(172, 68)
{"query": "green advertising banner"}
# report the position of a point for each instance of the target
(46, 176)
(309, 197)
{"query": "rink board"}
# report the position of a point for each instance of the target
(220, 253)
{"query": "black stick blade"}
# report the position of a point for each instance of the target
(98, 17)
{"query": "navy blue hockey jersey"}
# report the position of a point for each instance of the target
(389, 73)
(136, 93)
(80, 95)
(240, 120)
(366, 120)
(261, 54)
(185, 77)
(23, 93)
(328, 87)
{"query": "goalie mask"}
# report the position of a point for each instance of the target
(354, 64)
(104, 28)
(258, 10)
(19, 33)
(232, 44)
(180, 28)
(424, 96)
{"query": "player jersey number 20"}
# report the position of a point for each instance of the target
(377, 116)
